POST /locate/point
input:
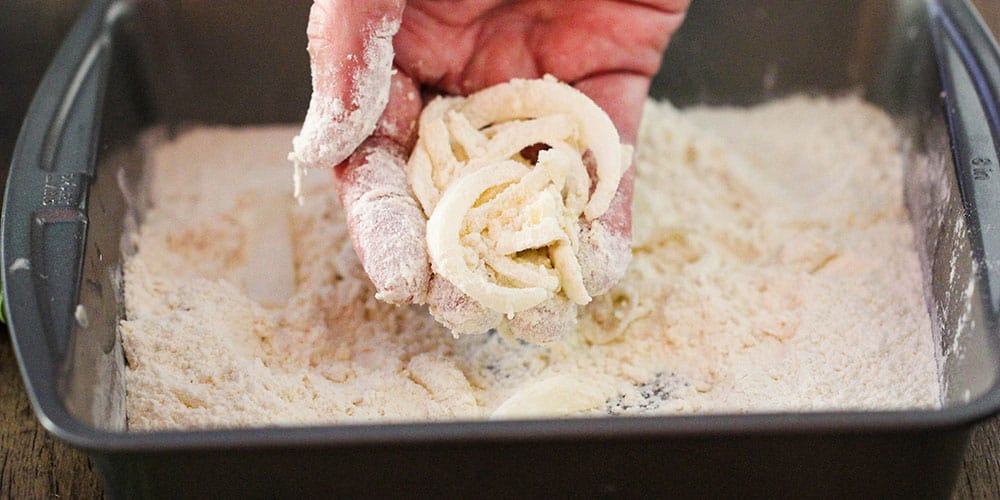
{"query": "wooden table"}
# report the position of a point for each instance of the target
(33, 465)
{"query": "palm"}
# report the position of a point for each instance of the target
(465, 45)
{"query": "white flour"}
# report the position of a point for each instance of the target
(773, 269)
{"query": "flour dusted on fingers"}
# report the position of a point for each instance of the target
(503, 228)
(386, 225)
(337, 122)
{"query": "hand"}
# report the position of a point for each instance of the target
(367, 98)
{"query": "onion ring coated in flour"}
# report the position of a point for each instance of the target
(503, 229)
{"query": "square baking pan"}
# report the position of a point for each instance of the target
(76, 180)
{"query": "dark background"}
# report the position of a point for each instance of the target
(32, 464)
(30, 32)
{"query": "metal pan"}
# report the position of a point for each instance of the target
(129, 65)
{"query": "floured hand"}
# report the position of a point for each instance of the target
(367, 98)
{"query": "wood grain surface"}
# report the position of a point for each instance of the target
(34, 465)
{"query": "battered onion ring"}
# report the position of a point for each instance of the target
(453, 261)
(504, 231)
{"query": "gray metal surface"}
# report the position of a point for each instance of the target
(170, 65)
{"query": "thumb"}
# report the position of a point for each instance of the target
(350, 53)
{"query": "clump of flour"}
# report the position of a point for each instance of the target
(763, 278)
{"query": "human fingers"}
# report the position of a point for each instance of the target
(605, 243)
(386, 224)
(460, 313)
(463, 315)
(544, 323)
(351, 55)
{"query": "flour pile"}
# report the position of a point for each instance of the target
(773, 269)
